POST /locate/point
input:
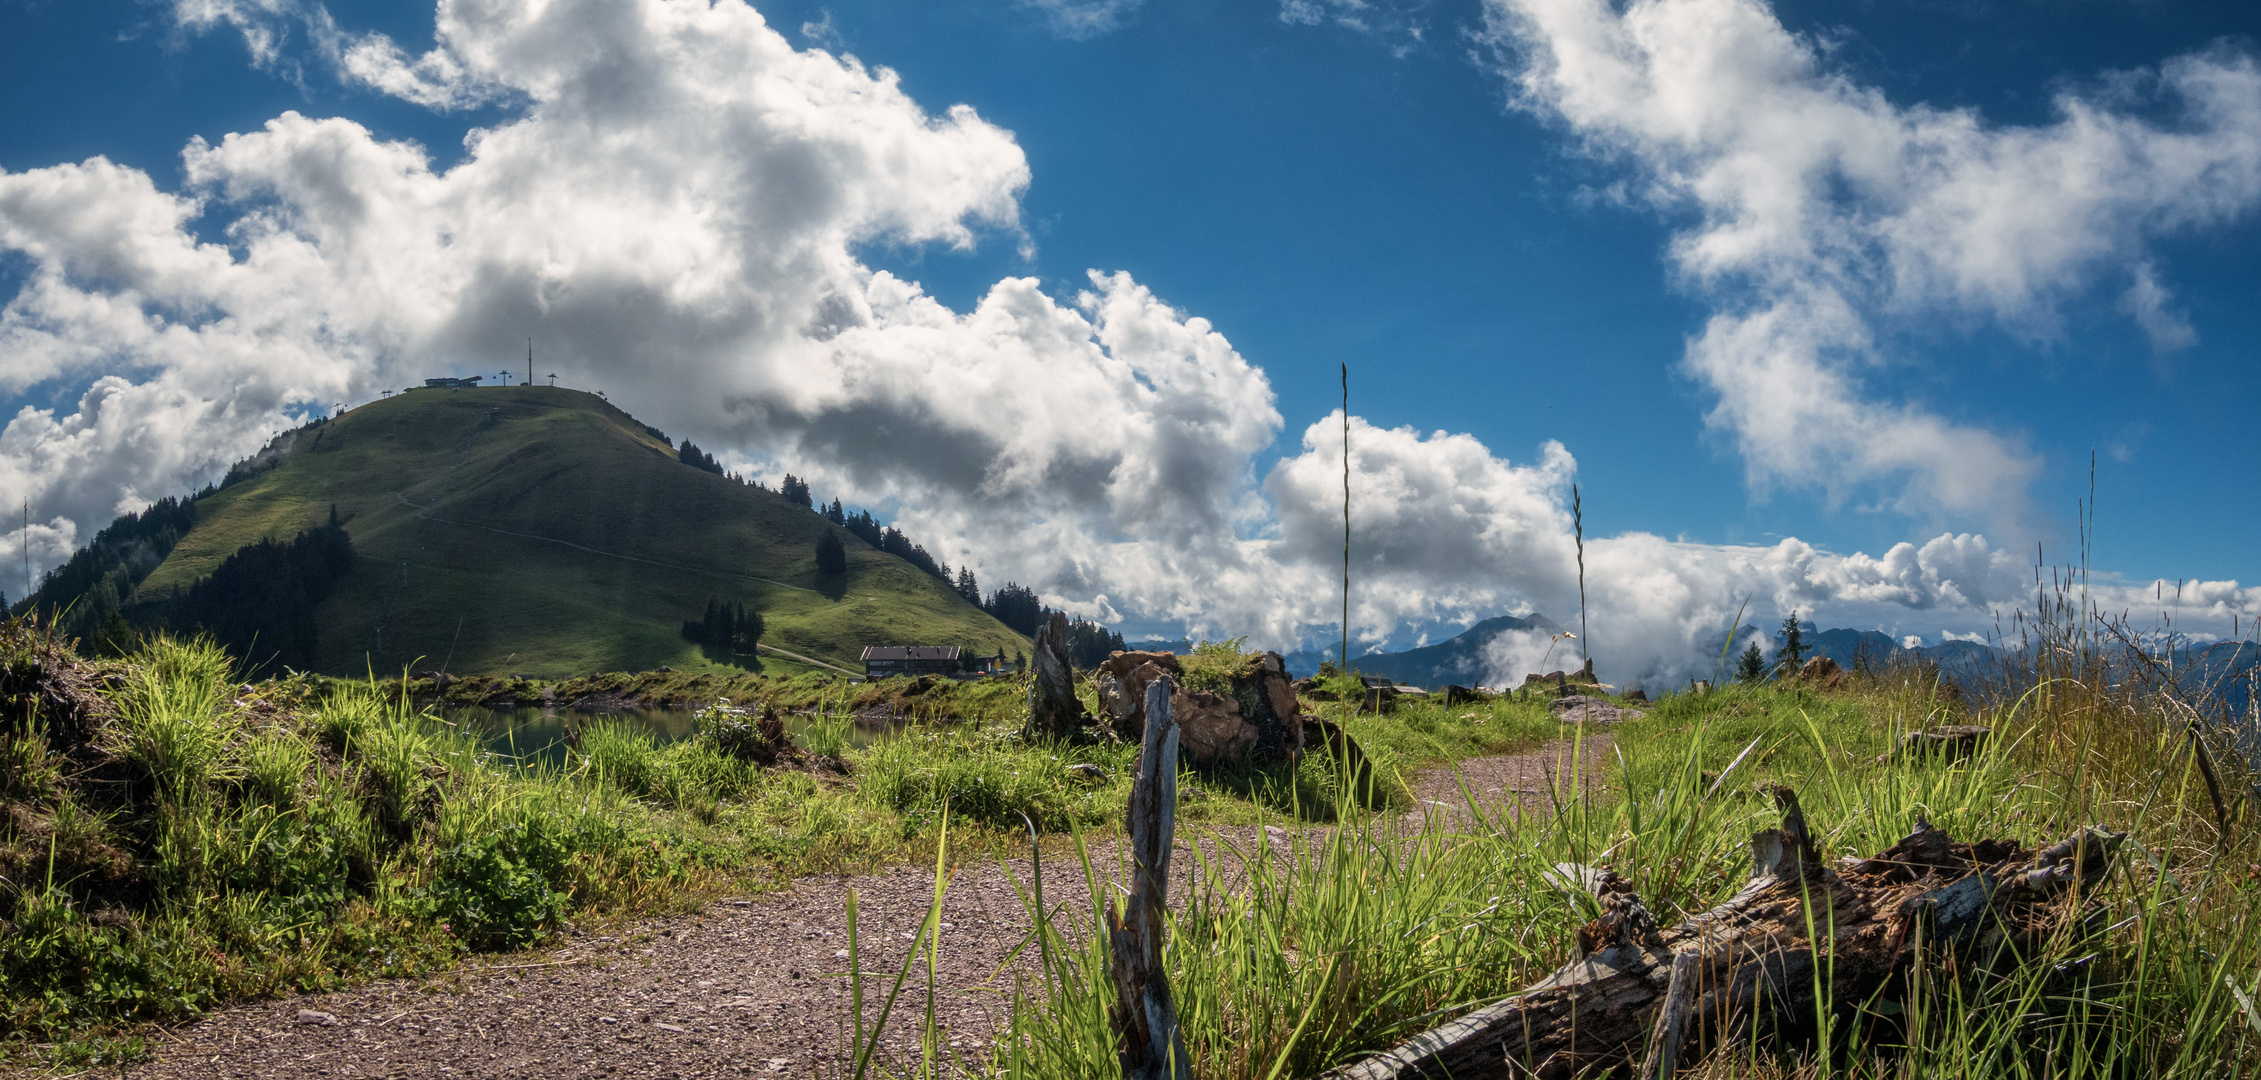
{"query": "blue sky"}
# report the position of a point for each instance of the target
(1380, 184)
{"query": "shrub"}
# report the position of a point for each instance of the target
(492, 890)
(1212, 664)
(739, 733)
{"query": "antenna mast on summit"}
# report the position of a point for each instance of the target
(529, 361)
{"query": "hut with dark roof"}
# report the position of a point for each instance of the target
(882, 661)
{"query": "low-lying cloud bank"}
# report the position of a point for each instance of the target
(674, 210)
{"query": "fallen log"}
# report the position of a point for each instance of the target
(1656, 999)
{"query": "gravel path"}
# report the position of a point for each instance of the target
(744, 988)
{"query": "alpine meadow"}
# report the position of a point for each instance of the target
(1142, 539)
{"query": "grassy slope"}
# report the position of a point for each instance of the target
(430, 488)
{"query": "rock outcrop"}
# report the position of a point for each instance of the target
(1822, 672)
(1580, 709)
(1257, 722)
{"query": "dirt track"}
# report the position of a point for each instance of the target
(744, 988)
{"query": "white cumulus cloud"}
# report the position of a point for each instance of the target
(1824, 212)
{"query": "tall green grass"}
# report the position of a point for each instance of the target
(1344, 941)
(220, 842)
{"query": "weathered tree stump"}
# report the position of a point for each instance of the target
(1659, 999)
(1054, 710)
(1146, 1019)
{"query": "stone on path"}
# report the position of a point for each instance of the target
(1580, 709)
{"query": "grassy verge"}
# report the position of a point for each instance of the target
(1359, 937)
(171, 839)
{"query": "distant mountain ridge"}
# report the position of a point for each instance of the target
(1461, 659)
(1456, 660)
(1960, 660)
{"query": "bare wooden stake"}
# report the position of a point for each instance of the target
(1146, 1019)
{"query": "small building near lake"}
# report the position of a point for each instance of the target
(883, 661)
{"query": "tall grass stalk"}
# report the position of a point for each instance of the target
(864, 1049)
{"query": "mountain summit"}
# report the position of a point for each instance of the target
(543, 531)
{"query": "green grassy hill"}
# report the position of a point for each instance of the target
(542, 531)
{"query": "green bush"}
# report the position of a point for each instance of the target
(494, 892)
(62, 970)
(1211, 665)
(743, 734)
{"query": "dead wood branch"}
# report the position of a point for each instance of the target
(1748, 968)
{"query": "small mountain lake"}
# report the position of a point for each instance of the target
(535, 734)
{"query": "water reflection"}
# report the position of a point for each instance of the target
(543, 735)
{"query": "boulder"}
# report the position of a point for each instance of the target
(1954, 741)
(1560, 679)
(1382, 700)
(1463, 695)
(1088, 773)
(1121, 683)
(1580, 709)
(1823, 672)
(1210, 727)
(1258, 722)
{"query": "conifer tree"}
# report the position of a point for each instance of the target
(1753, 665)
(796, 491)
(749, 632)
(1793, 643)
